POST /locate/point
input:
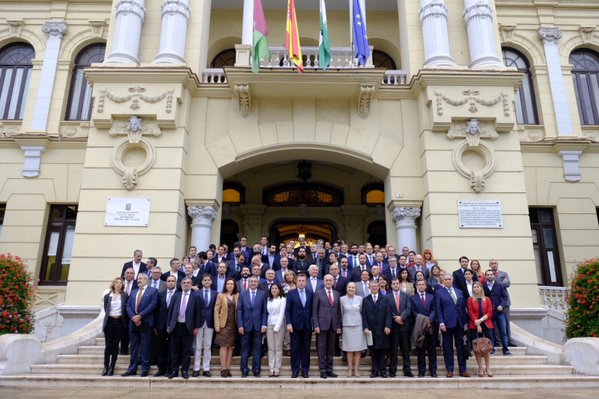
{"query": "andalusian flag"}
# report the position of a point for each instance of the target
(292, 41)
(260, 46)
(325, 42)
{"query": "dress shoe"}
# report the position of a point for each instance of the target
(305, 375)
(124, 353)
(408, 374)
(128, 373)
(144, 373)
(383, 375)
(434, 374)
(207, 374)
(323, 375)
(374, 375)
(244, 374)
(110, 371)
(337, 353)
(331, 374)
(105, 371)
(449, 374)
(185, 375)
(420, 375)
(256, 374)
(465, 374)
(507, 353)
(294, 375)
(392, 375)
(196, 373)
(172, 375)
(344, 357)
(160, 373)
(223, 373)
(229, 373)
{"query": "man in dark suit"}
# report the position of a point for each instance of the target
(418, 266)
(137, 265)
(498, 294)
(326, 318)
(393, 270)
(376, 321)
(206, 331)
(339, 283)
(221, 277)
(162, 338)
(156, 281)
(244, 280)
(129, 286)
(235, 265)
(303, 262)
(284, 268)
(345, 270)
(140, 308)
(175, 265)
(252, 322)
(314, 283)
(270, 279)
(184, 319)
(244, 249)
(205, 265)
(459, 280)
(451, 312)
(272, 258)
(298, 316)
(400, 310)
(363, 266)
(424, 304)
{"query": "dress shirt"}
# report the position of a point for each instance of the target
(276, 312)
(469, 286)
(169, 296)
(155, 283)
(128, 286)
(115, 306)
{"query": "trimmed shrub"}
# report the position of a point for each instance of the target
(16, 292)
(583, 315)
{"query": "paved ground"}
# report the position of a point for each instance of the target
(20, 393)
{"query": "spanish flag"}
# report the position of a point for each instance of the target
(292, 41)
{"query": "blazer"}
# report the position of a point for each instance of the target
(324, 315)
(498, 295)
(424, 269)
(360, 289)
(280, 276)
(207, 308)
(459, 281)
(193, 312)
(180, 275)
(221, 309)
(143, 268)
(276, 313)
(350, 273)
(387, 273)
(357, 273)
(296, 314)
(473, 312)
(161, 313)
(340, 285)
(146, 308)
(264, 286)
(350, 316)
(319, 284)
(133, 286)
(234, 269)
(108, 302)
(276, 261)
(252, 317)
(208, 267)
(405, 310)
(301, 265)
(215, 283)
(161, 285)
(376, 317)
(453, 315)
(504, 279)
(426, 310)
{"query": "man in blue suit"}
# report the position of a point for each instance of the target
(140, 308)
(184, 319)
(498, 294)
(298, 316)
(207, 297)
(252, 320)
(424, 304)
(451, 312)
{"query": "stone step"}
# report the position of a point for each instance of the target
(533, 381)
(96, 369)
(122, 359)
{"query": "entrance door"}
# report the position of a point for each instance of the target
(314, 230)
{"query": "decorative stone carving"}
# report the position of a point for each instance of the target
(134, 129)
(244, 99)
(506, 31)
(97, 27)
(472, 130)
(550, 34)
(7, 129)
(135, 97)
(33, 158)
(130, 7)
(55, 28)
(472, 98)
(586, 33)
(571, 163)
(366, 93)
(405, 216)
(15, 26)
(202, 215)
(172, 7)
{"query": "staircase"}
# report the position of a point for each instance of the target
(520, 371)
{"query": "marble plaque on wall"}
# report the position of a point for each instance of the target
(129, 212)
(480, 214)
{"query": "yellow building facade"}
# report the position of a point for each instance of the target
(477, 120)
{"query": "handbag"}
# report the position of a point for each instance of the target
(482, 345)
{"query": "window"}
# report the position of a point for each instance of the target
(586, 85)
(544, 240)
(224, 58)
(303, 194)
(2, 212)
(15, 74)
(373, 194)
(58, 246)
(380, 59)
(526, 110)
(80, 95)
(233, 193)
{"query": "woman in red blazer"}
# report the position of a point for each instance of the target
(480, 314)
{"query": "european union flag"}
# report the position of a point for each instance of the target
(360, 37)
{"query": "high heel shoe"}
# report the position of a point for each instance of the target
(489, 374)
(229, 373)
(481, 373)
(223, 373)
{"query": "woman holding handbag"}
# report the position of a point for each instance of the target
(480, 314)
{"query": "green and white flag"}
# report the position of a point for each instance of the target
(325, 42)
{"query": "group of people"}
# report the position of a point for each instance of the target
(353, 298)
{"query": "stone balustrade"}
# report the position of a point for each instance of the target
(555, 298)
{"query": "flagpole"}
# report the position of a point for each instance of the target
(351, 28)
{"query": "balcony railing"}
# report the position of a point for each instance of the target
(214, 76)
(555, 298)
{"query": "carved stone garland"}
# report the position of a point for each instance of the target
(135, 96)
(472, 98)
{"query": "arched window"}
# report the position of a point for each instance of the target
(80, 95)
(15, 74)
(586, 85)
(526, 109)
(233, 193)
(373, 194)
(224, 58)
(380, 59)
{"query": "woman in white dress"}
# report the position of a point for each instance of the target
(354, 340)
(274, 334)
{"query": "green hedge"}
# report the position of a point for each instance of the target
(583, 315)
(16, 292)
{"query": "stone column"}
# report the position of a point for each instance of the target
(478, 15)
(175, 17)
(433, 16)
(253, 221)
(201, 226)
(55, 31)
(405, 226)
(129, 17)
(247, 32)
(550, 35)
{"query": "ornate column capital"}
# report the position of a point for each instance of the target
(405, 216)
(434, 8)
(480, 9)
(54, 28)
(172, 7)
(550, 34)
(133, 7)
(202, 215)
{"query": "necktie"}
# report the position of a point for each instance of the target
(303, 297)
(331, 297)
(453, 295)
(245, 284)
(397, 299)
(344, 273)
(155, 284)
(183, 307)
(253, 297)
(374, 297)
(139, 295)
(423, 299)
(366, 290)
(393, 272)
(168, 299)
(206, 298)
(128, 289)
